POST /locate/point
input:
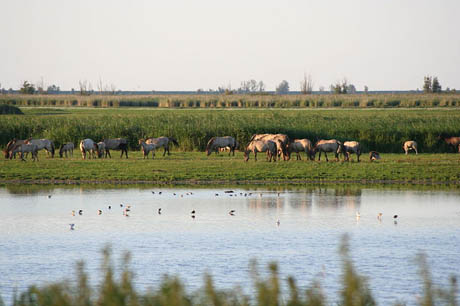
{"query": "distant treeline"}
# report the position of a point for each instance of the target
(381, 130)
(237, 101)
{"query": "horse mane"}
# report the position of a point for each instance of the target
(210, 142)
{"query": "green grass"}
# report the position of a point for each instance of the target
(383, 130)
(196, 167)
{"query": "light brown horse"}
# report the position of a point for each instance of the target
(162, 142)
(147, 147)
(116, 144)
(331, 145)
(216, 143)
(350, 147)
(261, 146)
(281, 146)
(452, 141)
(410, 145)
(300, 145)
(11, 146)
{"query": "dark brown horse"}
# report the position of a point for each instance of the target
(452, 141)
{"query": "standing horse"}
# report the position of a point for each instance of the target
(216, 143)
(350, 147)
(9, 151)
(101, 149)
(300, 145)
(261, 146)
(147, 147)
(29, 148)
(66, 147)
(162, 142)
(452, 141)
(46, 144)
(281, 146)
(332, 145)
(88, 146)
(410, 145)
(116, 144)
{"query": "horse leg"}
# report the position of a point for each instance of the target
(319, 157)
(326, 156)
(255, 155)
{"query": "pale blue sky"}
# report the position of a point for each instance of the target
(186, 45)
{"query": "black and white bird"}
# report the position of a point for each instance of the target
(159, 211)
(231, 212)
(72, 226)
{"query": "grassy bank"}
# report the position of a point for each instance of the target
(383, 130)
(121, 290)
(196, 168)
(238, 101)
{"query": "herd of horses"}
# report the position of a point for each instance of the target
(275, 146)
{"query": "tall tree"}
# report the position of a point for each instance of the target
(283, 87)
(436, 87)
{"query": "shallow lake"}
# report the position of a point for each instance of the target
(37, 245)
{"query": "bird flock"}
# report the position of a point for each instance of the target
(126, 209)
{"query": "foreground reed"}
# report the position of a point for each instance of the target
(267, 291)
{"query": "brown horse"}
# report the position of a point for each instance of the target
(331, 145)
(261, 146)
(11, 146)
(282, 146)
(162, 142)
(452, 141)
(301, 145)
(350, 147)
(115, 144)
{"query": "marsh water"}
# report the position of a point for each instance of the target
(37, 245)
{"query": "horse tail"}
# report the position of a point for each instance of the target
(174, 141)
(52, 148)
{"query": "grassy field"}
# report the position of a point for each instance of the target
(197, 168)
(418, 100)
(383, 130)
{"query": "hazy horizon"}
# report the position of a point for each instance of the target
(185, 45)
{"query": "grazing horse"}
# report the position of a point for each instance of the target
(452, 141)
(281, 146)
(66, 147)
(410, 145)
(116, 144)
(350, 147)
(9, 151)
(162, 142)
(147, 147)
(46, 144)
(29, 148)
(101, 149)
(261, 146)
(373, 155)
(88, 146)
(216, 143)
(300, 145)
(332, 145)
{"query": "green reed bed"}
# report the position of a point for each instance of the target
(197, 168)
(120, 289)
(383, 130)
(238, 100)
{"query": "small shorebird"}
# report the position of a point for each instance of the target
(159, 211)
(99, 212)
(72, 226)
(73, 212)
(278, 222)
(358, 215)
(192, 212)
(231, 212)
(80, 212)
(379, 216)
(49, 196)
